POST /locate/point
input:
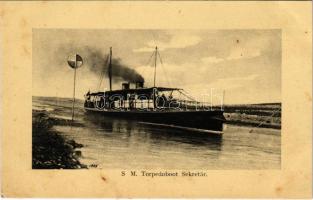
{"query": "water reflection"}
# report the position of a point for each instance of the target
(123, 144)
(153, 134)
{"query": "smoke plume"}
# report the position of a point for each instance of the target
(98, 63)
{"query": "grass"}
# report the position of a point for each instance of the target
(49, 149)
(259, 115)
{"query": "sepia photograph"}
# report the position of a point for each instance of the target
(156, 99)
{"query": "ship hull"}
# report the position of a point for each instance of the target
(206, 121)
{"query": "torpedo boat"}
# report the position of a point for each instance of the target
(167, 107)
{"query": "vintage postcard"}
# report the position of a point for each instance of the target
(156, 99)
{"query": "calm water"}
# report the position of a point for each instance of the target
(121, 144)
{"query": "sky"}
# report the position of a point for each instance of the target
(245, 64)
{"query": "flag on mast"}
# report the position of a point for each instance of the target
(75, 61)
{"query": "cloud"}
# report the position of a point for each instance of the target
(233, 83)
(240, 53)
(235, 54)
(176, 42)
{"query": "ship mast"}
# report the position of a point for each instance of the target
(155, 62)
(110, 69)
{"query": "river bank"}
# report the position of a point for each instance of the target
(254, 115)
(49, 149)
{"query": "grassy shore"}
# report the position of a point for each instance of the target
(49, 149)
(254, 115)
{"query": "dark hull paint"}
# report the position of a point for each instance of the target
(206, 120)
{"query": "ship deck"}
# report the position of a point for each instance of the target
(165, 110)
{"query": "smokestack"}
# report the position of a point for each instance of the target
(139, 84)
(125, 86)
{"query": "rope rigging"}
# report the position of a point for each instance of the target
(183, 92)
(147, 63)
(102, 74)
(166, 77)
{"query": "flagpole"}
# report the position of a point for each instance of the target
(73, 106)
(74, 61)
